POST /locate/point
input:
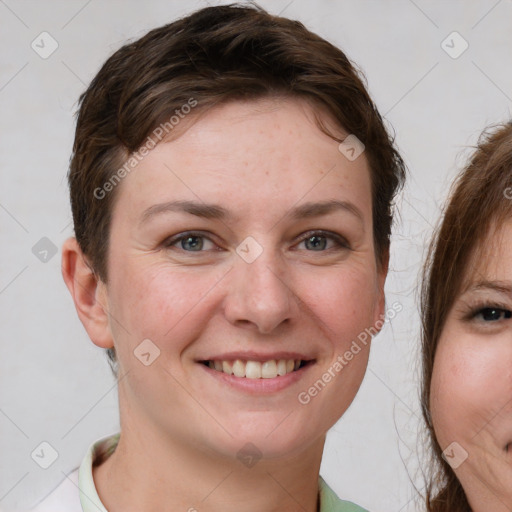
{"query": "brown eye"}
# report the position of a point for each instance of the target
(494, 314)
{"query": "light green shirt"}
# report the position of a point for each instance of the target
(91, 502)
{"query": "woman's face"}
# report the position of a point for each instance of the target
(471, 391)
(245, 245)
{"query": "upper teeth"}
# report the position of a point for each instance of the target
(256, 369)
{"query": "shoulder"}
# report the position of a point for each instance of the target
(329, 502)
(65, 498)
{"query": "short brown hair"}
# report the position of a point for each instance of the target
(215, 55)
(481, 199)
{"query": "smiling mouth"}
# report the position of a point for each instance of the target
(258, 369)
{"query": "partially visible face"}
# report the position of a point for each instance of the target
(471, 391)
(261, 262)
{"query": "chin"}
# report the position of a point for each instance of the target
(266, 439)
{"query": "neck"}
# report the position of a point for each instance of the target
(149, 471)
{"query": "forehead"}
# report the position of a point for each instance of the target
(491, 259)
(248, 154)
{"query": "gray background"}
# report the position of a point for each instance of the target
(56, 385)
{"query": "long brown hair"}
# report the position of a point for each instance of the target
(481, 199)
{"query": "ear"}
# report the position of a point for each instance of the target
(380, 305)
(88, 292)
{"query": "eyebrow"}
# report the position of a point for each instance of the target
(217, 212)
(206, 211)
(504, 287)
(308, 210)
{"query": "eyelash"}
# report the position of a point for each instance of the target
(500, 308)
(340, 241)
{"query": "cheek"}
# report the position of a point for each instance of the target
(343, 304)
(161, 304)
(470, 385)
(343, 299)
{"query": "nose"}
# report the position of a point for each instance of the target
(259, 296)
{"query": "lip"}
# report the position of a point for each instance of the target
(258, 386)
(256, 356)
